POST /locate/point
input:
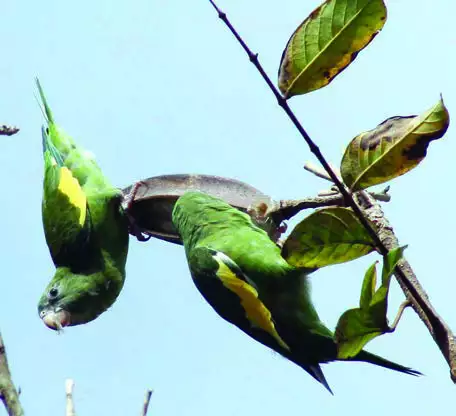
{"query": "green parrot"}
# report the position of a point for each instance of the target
(86, 228)
(242, 275)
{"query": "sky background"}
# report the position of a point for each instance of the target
(154, 87)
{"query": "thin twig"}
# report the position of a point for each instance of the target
(441, 333)
(8, 393)
(69, 385)
(402, 307)
(317, 171)
(288, 208)
(8, 130)
(310, 167)
(146, 402)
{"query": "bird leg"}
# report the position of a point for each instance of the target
(260, 212)
(127, 205)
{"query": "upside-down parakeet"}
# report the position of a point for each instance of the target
(86, 230)
(243, 276)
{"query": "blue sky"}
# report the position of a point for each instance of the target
(162, 87)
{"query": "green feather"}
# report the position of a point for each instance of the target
(222, 245)
(85, 228)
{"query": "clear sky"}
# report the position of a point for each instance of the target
(154, 87)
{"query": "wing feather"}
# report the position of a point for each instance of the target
(232, 278)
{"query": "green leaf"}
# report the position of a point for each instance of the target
(327, 42)
(368, 288)
(393, 148)
(328, 236)
(390, 263)
(356, 327)
(353, 332)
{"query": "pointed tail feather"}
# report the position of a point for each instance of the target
(47, 110)
(316, 372)
(383, 362)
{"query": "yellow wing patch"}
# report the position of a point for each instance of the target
(69, 186)
(255, 310)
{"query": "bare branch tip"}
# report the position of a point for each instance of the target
(69, 385)
(147, 398)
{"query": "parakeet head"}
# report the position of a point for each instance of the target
(74, 299)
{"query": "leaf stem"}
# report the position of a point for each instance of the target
(401, 310)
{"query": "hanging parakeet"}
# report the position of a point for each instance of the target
(86, 230)
(243, 276)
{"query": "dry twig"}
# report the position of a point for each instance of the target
(8, 130)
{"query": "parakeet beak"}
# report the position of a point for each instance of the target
(56, 319)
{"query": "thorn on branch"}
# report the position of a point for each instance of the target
(253, 57)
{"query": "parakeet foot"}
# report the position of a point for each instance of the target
(127, 205)
(260, 213)
(129, 199)
(135, 231)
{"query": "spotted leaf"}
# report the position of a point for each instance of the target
(327, 42)
(393, 148)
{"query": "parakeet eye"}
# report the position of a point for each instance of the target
(53, 293)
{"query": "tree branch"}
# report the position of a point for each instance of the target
(8, 392)
(414, 292)
(384, 238)
(145, 407)
(288, 208)
(8, 130)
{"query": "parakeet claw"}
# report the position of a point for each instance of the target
(127, 205)
(129, 199)
(135, 231)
